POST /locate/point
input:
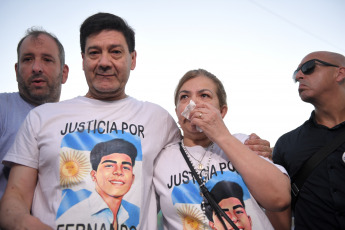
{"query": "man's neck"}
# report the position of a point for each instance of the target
(330, 109)
(330, 117)
(106, 96)
(28, 100)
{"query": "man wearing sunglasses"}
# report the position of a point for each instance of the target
(321, 201)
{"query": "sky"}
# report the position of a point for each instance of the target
(252, 46)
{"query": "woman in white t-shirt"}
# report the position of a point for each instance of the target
(240, 182)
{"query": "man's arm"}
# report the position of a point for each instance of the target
(16, 203)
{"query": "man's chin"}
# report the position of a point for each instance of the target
(109, 92)
(44, 97)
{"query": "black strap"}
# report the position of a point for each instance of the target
(313, 161)
(219, 211)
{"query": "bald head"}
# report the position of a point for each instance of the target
(331, 57)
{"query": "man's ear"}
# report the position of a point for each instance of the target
(65, 71)
(341, 75)
(16, 69)
(82, 57)
(133, 59)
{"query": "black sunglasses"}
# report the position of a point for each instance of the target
(309, 66)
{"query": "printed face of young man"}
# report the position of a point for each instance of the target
(114, 176)
(235, 210)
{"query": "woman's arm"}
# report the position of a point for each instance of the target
(269, 186)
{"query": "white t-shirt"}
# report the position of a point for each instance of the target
(179, 194)
(56, 139)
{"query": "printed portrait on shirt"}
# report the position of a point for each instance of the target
(230, 193)
(112, 167)
(97, 176)
(229, 196)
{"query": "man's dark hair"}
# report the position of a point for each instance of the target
(109, 147)
(105, 21)
(34, 32)
(223, 190)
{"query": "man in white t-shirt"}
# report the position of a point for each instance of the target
(56, 136)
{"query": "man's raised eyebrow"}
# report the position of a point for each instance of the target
(32, 54)
(115, 162)
(48, 55)
(25, 55)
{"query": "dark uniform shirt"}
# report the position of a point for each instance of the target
(321, 202)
